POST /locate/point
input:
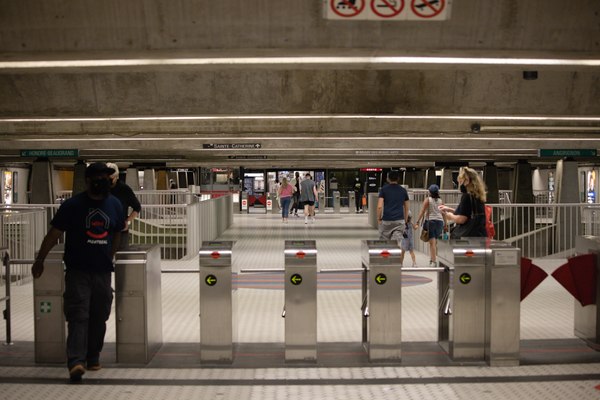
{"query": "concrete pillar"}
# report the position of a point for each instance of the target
(567, 191)
(409, 178)
(420, 179)
(79, 177)
(446, 182)
(490, 177)
(431, 178)
(523, 219)
(149, 179)
(42, 191)
(522, 186)
(132, 179)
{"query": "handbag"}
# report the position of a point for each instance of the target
(471, 228)
(425, 231)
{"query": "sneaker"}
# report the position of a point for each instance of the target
(94, 366)
(305, 220)
(432, 264)
(75, 373)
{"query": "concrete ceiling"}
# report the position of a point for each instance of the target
(228, 85)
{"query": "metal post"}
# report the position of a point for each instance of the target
(7, 316)
(336, 202)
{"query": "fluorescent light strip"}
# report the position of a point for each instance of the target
(293, 61)
(304, 117)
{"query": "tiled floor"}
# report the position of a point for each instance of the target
(546, 329)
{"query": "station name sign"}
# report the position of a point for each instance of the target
(67, 153)
(567, 153)
(231, 146)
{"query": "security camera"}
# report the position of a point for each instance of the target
(475, 128)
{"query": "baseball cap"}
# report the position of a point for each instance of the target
(98, 168)
(434, 188)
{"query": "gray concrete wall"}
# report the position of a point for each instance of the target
(190, 92)
(83, 25)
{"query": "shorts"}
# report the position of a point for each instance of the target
(435, 228)
(308, 203)
(392, 230)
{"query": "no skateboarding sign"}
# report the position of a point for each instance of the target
(387, 10)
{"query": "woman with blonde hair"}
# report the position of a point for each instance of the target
(469, 216)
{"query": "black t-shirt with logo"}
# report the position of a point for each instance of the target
(89, 226)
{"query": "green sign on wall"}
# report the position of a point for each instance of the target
(567, 153)
(70, 153)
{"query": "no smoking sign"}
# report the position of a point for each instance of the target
(387, 10)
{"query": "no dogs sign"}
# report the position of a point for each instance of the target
(387, 10)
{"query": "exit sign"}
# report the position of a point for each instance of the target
(567, 153)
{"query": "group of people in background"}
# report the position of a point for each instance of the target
(302, 192)
(395, 220)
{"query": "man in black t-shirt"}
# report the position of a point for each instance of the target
(92, 221)
(125, 194)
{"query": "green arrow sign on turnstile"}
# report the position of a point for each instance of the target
(380, 279)
(465, 279)
(211, 280)
(296, 279)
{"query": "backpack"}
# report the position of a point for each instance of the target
(489, 225)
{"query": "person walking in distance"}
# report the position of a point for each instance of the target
(285, 196)
(125, 194)
(308, 196)
(392, 207)
(359, 192)
(296, 199)
(92, 221)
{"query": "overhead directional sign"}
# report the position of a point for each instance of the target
(67, 153)
(231, 146)
(567, 152)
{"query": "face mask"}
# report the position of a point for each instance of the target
(463, 189)
(100, 187)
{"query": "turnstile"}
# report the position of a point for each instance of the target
(244, 202)
(502, 304)
(300, 308)
(138, 303)
(372, 200)
(479, 292)
(49, 318)
(322, 204)
(336, 202)
(587, 318)
(381, 294)
(352, 202)
(217, 306)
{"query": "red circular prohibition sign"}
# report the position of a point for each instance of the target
(388, 4)
(427, 4)
(345, 4)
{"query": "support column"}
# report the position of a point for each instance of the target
(523, 219)
(490, 177)
(446, 182)
(79, 177)
(420, 181)
(409, 178)
(132, 179)
(431, 178)
(149, 179)
(42, 191)
(567, 191)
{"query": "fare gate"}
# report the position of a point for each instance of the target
(352, 202)
(336, 202)
(300, 307)
(138, 308)
(479, 292)
(49, 318)
(217, 305)
(587, 318)
(381, 294)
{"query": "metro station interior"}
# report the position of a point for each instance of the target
(205, 106)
